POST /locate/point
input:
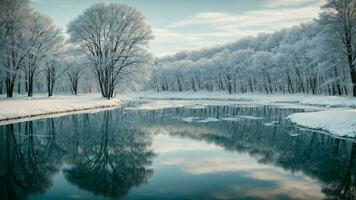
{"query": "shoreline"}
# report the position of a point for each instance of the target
(23, 108)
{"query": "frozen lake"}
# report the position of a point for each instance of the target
(187, 152)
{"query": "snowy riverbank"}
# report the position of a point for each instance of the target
(337, 121)
(325, 101)
(336, 115)
(20, 107)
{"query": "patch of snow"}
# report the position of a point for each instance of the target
(156, 105)
(272, 123)
(337, 121)
(250, 117)
(330, 101)
(209, 119)
(200, 119)
(22, 108)
(235, 119)
(188, 119)
(241, 117)
(196, 106)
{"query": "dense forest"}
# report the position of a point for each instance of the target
(315, 57)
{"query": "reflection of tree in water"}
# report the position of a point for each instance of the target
(345, 187)
(330, 160)
(27, 160)
(113, 161)
(106, 158)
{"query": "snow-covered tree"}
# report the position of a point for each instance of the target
(340, 15)
(54, 69)
(49, 39)
(75, 73)
(114, 38)
(301, 59)
(26, 38)
(15, 40)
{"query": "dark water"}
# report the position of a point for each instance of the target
(175, 153)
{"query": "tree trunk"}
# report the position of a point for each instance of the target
(350, 54)
(9, 86)
(250, 84)
(30, 88)
(1, 83)
(290, 84)
(229, 84)
(353, 78)
(19, 86)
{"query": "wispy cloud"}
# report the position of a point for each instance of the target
(289, 3)
(264, 19)
(185, 40)
(201, 29)
(294, 186)
(168, 36)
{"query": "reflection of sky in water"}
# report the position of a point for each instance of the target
(187, 168)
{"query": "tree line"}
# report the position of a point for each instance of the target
(106, 49)
(317, 57)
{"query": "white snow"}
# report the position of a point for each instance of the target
(199, 119)
(234, 119)
(241, 117)
(337, 121)
(156, 105)
(24, 107)
(249, 117)
(272, 123)
(252, 98)
(195, 106)
(209, 119)
(329, 101)
(188, 119)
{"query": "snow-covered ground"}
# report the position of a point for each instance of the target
(327, 101)
(21, 107)
(336, 115)
(337, 121)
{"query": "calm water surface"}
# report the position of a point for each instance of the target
(213, 152)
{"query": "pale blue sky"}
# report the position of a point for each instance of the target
(191, 24)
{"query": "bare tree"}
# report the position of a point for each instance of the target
(114, 38)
